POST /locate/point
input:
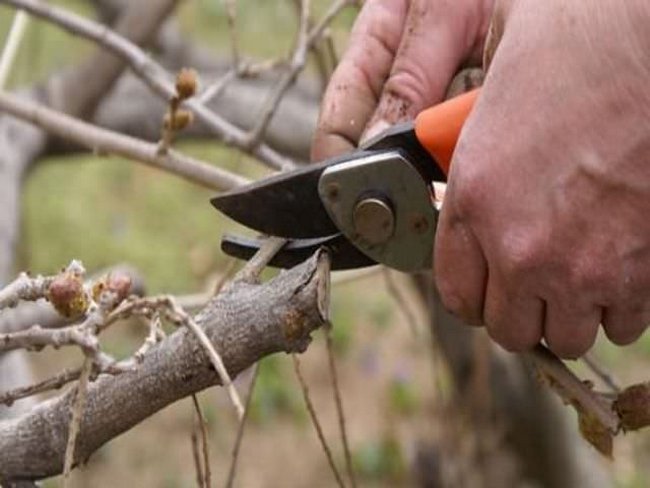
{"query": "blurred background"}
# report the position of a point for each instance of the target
(397, 392)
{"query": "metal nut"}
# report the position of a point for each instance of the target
(374, 220)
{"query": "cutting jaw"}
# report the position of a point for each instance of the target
(367, 207)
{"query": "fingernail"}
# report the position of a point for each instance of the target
(377, 128)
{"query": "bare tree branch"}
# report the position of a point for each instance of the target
(103, 141)
(245, 323)
(150, 72)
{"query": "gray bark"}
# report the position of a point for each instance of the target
(246, 322)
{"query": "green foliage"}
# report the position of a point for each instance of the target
(104, 211)
(275, 393)
(381, 312)
(379, 460)
(402, 396)
(343, 321)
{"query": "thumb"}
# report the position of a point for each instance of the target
(439, 37)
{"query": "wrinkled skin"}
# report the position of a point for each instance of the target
(545, 228)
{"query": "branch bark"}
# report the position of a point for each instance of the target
(245, 323)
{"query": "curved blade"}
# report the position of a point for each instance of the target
(342, 253)
(284, 205)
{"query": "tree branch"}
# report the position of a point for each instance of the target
(245, 323)
(103, 141)
(151, 73)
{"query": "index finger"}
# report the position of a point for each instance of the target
(356, 85)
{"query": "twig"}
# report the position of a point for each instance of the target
(345, 277)
(603, 374)
(298, 61)
(77, 412)
(314, 419)
(151, 73)
(250, 273)
(198, 468)
(207, 475)
(15, 36)
(25, 288)
(103, 141)
(231, 16)
(339, 405)
(400, 300)
(155, 335)
(215, 359)
(53, 383)
(214, 90)
(240, 429)
(572, 389)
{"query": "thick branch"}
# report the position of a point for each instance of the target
(245, 323)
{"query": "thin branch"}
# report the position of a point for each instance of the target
(205, 449)
(151, 73)
(215, 357)
(53, 383)
(231, 16)
(196, 457)
(572, 389)
(251, 272)
(240, 429)
(24, 288)
(15, 36)
(339, 405)
(77, 412)
(103, 141)
(399, 298)
(601, 373)
(314, 419)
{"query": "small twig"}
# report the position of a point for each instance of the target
(251, 272)
(152, 73)
(603, 374)
(339, 405)
(53, 383)
(572, 389)
(306, 39)
(345, 277)
(196, 457)
(15, 36)
(240, 429)
(155, 335)
(214, 90)
(399, 298)
(231, 16)
(200, 419)
(215, 359)
(314, 419)
(103, 141)
(24, 288)
(75, 421)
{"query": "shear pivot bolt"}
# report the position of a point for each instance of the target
(374, 220)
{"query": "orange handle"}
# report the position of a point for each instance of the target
(438, 128)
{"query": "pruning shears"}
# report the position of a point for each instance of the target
(373, 205)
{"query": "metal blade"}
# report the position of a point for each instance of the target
(284, 205)
(342, 253)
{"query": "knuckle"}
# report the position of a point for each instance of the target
(513, 337)
(523, 252)
(408, 83)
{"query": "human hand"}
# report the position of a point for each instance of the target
(545, 229)
(401, 57)
(544, 232)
